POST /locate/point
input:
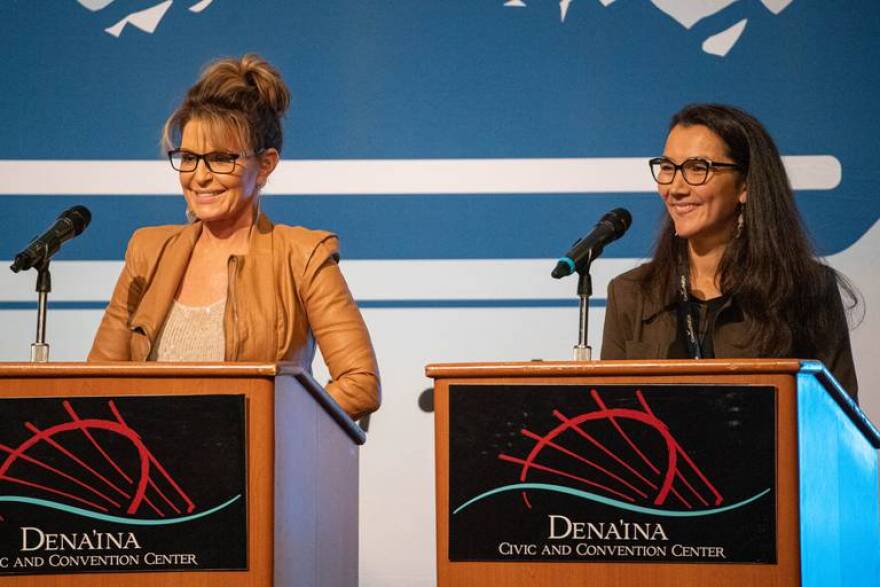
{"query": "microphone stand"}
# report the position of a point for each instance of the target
(582, 351)
(39, 349)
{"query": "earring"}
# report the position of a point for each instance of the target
(740, 221)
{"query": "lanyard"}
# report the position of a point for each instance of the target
(689, 317)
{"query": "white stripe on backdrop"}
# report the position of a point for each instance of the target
(482, 279)
(384, 176)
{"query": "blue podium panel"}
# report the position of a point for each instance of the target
(839, 514)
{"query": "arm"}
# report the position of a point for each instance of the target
(613, 337)
(340, 332)
(837, 354)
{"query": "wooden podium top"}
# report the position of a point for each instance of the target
(609, 368)
(148, 369)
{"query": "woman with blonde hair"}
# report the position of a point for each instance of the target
(231, 285)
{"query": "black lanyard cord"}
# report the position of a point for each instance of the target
(689, 317)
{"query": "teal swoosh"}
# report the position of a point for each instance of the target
(115, 519)
(608, 501)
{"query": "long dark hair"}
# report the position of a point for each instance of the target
(770, 267)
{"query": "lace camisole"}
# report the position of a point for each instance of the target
(191, 333)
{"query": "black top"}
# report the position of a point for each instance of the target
(704, 314)
(707, 311)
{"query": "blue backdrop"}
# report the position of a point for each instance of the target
(443, 276)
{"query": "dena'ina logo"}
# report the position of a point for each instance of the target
(644, 469)
(146, 19)
(98, 468)
(687, 14)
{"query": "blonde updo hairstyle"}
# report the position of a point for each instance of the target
(245, 97)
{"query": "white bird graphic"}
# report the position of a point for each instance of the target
(146, 20)
(687, 13)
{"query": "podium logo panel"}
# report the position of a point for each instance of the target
(612, 473)
(127, 484)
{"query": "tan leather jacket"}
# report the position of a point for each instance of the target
(285, 293)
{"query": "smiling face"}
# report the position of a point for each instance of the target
(223, 199)
(706, 214)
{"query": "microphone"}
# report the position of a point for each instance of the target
(610, 228)
(70, 223)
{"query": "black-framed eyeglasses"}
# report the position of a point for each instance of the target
(694, 170)
(217, 162)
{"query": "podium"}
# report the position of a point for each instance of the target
(663, 473)
(147, 474)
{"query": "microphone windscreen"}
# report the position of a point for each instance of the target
(620, 219)
(79, 216)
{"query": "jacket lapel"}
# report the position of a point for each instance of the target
(251, 317)
(164, 281)
(658, 318)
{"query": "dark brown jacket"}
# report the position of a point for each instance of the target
(285, 293)
(642, 327)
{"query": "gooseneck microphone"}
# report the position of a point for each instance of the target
(70, 223)
(610, 228)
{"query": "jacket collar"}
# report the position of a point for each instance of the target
(655, 305)
(171, 267)
(261, 235)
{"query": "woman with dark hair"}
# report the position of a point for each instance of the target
(733, 273)
(231, 285)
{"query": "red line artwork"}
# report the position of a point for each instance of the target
(648, 473)
(75, 476)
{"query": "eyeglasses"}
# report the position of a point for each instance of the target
(216, 162)
(694, 170)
